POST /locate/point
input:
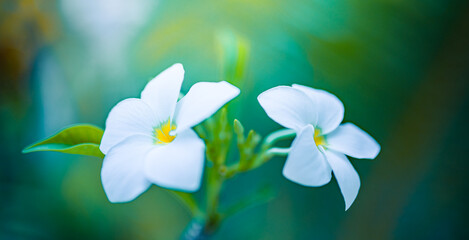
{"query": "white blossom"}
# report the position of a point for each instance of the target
(149, 139)
(321, 142)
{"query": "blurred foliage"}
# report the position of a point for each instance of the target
(400, 67)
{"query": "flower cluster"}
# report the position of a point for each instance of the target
(150, 140)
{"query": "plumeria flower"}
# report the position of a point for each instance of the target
(321, 142)
(150, 140)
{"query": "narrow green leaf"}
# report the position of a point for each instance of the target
(261, 196)
(188, 201)
(81, 139)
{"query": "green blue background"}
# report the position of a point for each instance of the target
(400, 67)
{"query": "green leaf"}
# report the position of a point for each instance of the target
(261, 196)
(81, 139)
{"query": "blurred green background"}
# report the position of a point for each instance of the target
(400, 67)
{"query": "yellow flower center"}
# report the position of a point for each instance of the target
(318, 138)
(162, 133)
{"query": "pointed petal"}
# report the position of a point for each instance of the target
(347, 177)
(162, 92)
(330, 108)
(353, 141)
(305, 164)
(288, 107)
(122, 172)
(129, 117)
(178, 165)
(202, 101)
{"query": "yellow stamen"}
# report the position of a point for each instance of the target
(318, 138)
(162, 133)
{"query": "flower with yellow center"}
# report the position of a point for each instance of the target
(321, 142)
(149, 139)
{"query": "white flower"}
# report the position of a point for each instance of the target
(150, 140)
(321, 144)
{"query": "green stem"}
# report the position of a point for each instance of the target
(214, 185)
(278, 151)
(265, 153)
(276, 136)
(219, 172)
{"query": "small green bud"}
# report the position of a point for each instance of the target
(238, 127)
(253, 139)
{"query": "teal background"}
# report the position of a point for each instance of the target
(400, 67)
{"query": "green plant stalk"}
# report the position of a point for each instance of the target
(216, 176)
(215, 183)
(266, 152)
(276, 136)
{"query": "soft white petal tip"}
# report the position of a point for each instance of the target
(348, 205)
(178, 65)
(176, 68)
(234, 90)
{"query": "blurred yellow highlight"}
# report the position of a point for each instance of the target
(318, 138)
(162, 133)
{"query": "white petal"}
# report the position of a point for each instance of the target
(330, 108)
(179, 164)
(129, 117)
(353, 141)
(347, 177)
(122, 172)
(162, 92)
(305, 164)
(288, 107)
(202, 100)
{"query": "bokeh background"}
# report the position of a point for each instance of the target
(401, 67)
